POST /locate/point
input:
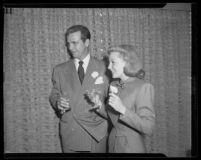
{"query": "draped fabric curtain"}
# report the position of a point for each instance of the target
(34, 43)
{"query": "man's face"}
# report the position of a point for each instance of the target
(77, 47)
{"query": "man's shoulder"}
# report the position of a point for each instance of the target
(98, 62)
(63, 65)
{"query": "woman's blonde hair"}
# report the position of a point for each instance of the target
(128, 54)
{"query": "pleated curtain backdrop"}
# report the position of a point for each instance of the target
(34, 43)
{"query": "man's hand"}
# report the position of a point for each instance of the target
(63, 105)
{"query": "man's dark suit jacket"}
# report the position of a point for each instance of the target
(83, 125)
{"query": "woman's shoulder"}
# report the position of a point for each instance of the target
(140, 84)
(145, 86)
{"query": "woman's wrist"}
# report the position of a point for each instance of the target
(99, 105)
(123, 110)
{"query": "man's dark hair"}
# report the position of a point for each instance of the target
(85, 34)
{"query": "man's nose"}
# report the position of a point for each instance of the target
(70, 46)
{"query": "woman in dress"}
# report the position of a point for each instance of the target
(130, 102)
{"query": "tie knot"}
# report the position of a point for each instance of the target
(81, 63)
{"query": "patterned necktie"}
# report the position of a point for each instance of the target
(81, 71)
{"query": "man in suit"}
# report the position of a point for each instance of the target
(81, 129)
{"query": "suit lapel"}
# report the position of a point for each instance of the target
(91, 67)
(76, 89)
(73, 76)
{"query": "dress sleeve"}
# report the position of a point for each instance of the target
(55, 93)
(143, 119)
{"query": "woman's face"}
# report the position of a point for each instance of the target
(116, 65)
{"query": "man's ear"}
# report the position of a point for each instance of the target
(87, 43)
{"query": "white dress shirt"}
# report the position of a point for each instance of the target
(85, 63)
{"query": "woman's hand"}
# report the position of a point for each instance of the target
(116, 103)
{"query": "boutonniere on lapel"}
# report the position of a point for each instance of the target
(97, 77)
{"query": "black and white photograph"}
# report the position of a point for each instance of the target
(106, 80)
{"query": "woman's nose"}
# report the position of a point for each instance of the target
(109, 66)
